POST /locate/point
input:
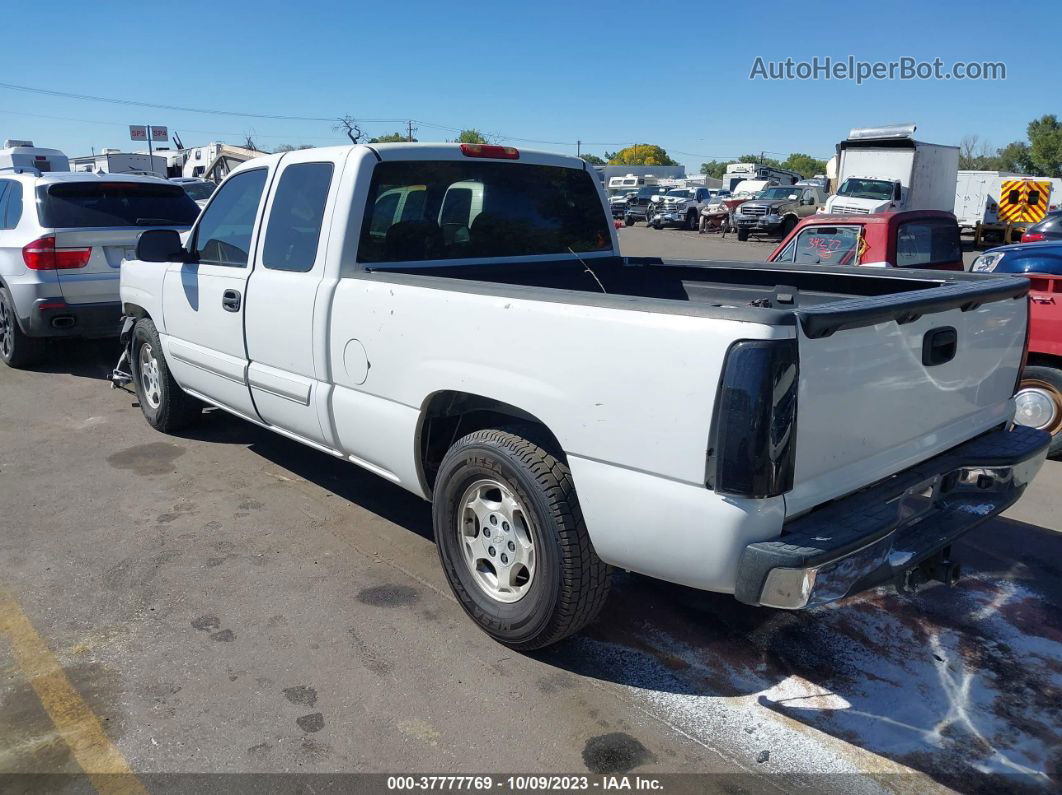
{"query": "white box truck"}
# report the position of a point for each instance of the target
(884, 168)
(977, 196)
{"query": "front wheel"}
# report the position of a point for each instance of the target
(692, 220)
(1038, 403)
(166, 406)
(743, 233)
(512, 540)
(628, 221)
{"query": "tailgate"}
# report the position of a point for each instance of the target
(888, 381)
(98, 280)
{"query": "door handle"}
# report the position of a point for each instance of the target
(1042, 299)
(939, 346)
(230, 300)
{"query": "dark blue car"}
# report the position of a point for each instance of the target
(1021, 258)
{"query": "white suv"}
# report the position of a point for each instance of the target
(63, 236)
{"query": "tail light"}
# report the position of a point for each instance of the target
(489, 150)
(42, 255)
(752, 446)
(1033, 237)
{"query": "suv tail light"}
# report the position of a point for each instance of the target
(752, 446)
(490, 150)
(42, 255)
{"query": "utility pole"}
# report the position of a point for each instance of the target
(151, 157)
(409, 130)
(578, 148)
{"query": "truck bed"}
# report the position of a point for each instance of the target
(822, 299)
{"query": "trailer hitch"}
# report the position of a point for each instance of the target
(122, 374)
(937, 568)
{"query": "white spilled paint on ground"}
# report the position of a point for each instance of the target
(947, 684)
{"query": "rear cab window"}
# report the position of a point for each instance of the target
(445, 210)
(823, 245)
(71, 205)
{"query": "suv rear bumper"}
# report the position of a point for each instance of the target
(53, 317)
(884, 531)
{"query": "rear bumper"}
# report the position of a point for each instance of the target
(882, 532)
(53, 317)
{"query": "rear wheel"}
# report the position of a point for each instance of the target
(512, 541)
(1039, 403)
(16, 349)
(166, 406)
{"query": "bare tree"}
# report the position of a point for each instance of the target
(249, 142)
(349, 126)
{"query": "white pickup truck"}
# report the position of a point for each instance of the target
(459, 321)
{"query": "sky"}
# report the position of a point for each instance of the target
(609, 74)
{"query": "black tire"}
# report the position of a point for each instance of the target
(692, 220)
(570, 582)
(167, 408)
(1047, 380)
(628, 220)
(17, 350)
(742, 233)
(788, 225)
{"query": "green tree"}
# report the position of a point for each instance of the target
(1045, 146)
(393, 138)
(593, 160)
(641, 155)
(1014, 156)
(714, 168)
(767, 161)
(805, 165)
(473, 136)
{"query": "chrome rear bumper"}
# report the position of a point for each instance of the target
(879, 534)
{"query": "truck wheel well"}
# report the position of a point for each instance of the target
(449, 415)
(135, 311)
(1045, 360)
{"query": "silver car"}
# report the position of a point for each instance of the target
(63, 236)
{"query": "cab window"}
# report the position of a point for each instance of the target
(928, 242)
(823, 245)
(438, 210)
(295, 217)
(223, 236)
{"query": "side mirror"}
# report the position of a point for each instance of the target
(160, 245)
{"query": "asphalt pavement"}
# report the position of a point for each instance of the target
(230, 601)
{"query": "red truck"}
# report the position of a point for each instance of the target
(1038, 402)
(902, 239)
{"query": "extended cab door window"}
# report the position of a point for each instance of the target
(223, 236)
(932, 241)
(295, 217)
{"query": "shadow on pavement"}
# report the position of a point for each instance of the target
(83, 358)
(963, 684)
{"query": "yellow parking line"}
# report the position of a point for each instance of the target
(76, 723)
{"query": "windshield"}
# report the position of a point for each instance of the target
(684, 193)
(779, 193)
(866, 189)
(648, 191)
(84, 204)
(198, 191)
